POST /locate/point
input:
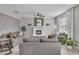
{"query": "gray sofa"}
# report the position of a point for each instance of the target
(44, 47)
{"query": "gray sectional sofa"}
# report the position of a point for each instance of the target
(36, 46)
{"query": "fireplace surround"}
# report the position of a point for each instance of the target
(38, 32)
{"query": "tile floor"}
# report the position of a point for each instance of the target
(66, 51)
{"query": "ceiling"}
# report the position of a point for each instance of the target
(29, 10)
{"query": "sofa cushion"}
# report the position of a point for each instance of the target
(37, 48)
(52, 35)
(31, 40)
(48, 40)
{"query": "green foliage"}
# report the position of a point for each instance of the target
(67, 41)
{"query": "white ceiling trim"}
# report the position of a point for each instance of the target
(7, 12)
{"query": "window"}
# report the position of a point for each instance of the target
(63, 24)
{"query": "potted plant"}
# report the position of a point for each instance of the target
(68, 42)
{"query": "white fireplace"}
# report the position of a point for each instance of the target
(39, 28)
(38, 31)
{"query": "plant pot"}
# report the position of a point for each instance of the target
(69, 47)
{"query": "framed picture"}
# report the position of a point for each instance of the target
(38, 21)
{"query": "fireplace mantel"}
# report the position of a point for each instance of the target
(40, 30)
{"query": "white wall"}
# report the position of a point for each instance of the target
(76, 11)
(29, 29)
(8, 24)
(49, 29)
(25, 22)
